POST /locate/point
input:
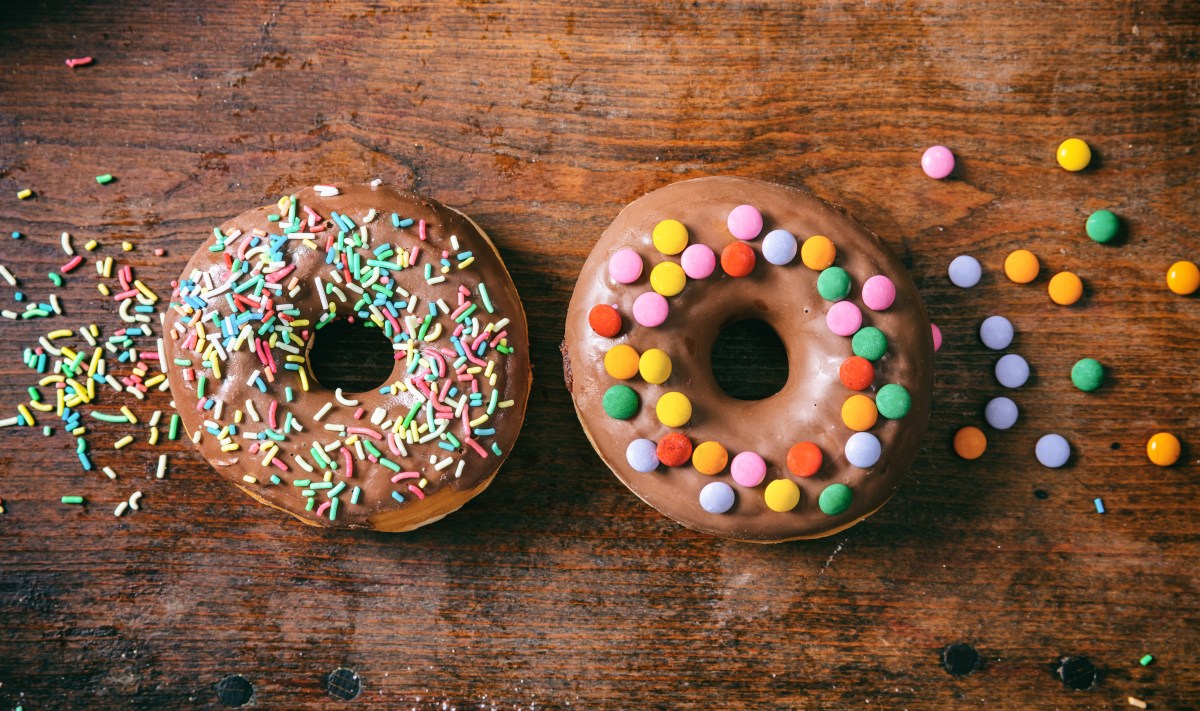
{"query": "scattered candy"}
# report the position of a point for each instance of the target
(604, 320)
(843, 318)
(893, 401)
(748, 469)
(835, 499)
(621, 362)
(970, 443)
(745, 222)
(625, 266)
(1164, 449)
(698, 261)
(104, 179)
(669, 237)
(833, 284)
(818, 252)
(1183, 278)
(996, 332)
(782, 495)
(650, 309)
(857, 373)
(869, 343)
(1074, 154)
(1012, 371)
(937, 162)
(710, 458)
(674, 409)
(1087, 374)
(1065, 288)
(937, 337)
(863, 450)
(965, 271)
(655, 366)
(642, 455)
(1001, 413)
(1103, 226)
(717, 497)
(620, 402)
(779, 247)
(879, 293)
(737, 259)
(1022, 266)
(1053, 450)
(674, 449)
(804, 459)
(668, 278)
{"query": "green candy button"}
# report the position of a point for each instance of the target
(869, 343)
(833, 284)
(621, 402)
(1087, 374)
(835, 499)
(893, 401)
(1103, 226)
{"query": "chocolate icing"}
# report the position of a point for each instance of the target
(785, 297)
(376, 507)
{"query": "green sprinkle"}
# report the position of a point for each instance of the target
(173, 431)
(321, 485)
(355, 494)
(104, 179)
(287, 392)
(301, 482)
(47, 430)
(835, 499)
(105, 417)
(869, 342)
(1087, 374)
(1103, 226)
(337, 489)
(272, 218)
(390, 464)
(311, 503)
(621, 402)
(56, 278)
(72, 499)
(487, 301)
(893, 401)
(333, 509)
(833, 284)
(1146, 659)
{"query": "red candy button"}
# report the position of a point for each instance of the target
(674, 450)
(737, 259)
(857, 373)
(605, 320)
(804, 459)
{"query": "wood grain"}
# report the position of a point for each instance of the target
(556, 588)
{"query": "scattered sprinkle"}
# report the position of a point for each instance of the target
(72, 500)
(104, 179)
(24, 194)
(79, 62)
(1146, 659)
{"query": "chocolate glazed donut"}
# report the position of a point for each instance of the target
(833, 444)
(254, 299)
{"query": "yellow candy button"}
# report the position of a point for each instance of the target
(667, 278)
(1022, 266)
(669, 236)
(1183, 278)
(710, 458)
(818, 252)
(1163, 449)
(621, 362)
(674, 409)
(859, 413)
(655, 366)
(1065, 288)
(782, 495)
(1074, 154)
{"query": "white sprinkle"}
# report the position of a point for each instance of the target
(120, 510)
(454, 242)
(321, 293)
(343, 400)
(253, 413)
(133, 500)
(370, 216)
(321, 413)
(66, 244)
(378, 415)
(8, 277)
(458, 471)
(162, 467)
(8, 314)
(325, 190)
(55, 305)
(443, 464)
(108, 472)
(303, 463)
(376, 182)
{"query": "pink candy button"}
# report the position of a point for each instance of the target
(938, 162)
(745, 222)
(748, 469)
(879, 293)
(937, 337)
(650, 309)
(625, 266)
(698, 261)
(843, 318)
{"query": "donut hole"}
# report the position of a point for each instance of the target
(351, 357)
(749, 360)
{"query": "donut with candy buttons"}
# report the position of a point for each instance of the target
(255, 298)
(683, 262)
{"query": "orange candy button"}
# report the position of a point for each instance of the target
(970, 443)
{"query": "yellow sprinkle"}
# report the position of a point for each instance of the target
(79, 431)
(126, 246)
(68, 353)
(237, 417)
(129, 415)
(248, 479)
(310, 244)
(41, 406)
(137, 283)
(216, 366)
(479, 420)
(60, 333)
(328, 476)
(300, 322)
(97, 356)
(231, 447)
(123, 442)
(294, 358)
(108, 262)
(466, 262)
(103, 288)
(151, 382)
(303, 381)
(91, 244)
(91, 388)
(266, 462)
(153, 435)
(80, 390)
(95, 331)
(61, 406)
(50, 379)
(24, 194)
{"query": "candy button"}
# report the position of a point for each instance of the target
(1183, 278)
(674, 450)
(620, 402)
(893, 401)
(650, 309)
(1000, 413)
(642, 455)
(737, 259)
(965, 271)
(1074, 154)
(717, 497)
(1053, 451)
(710, 458)
(879, 293)
(857, 373)
(970, 443)
(782, 495)
(698, 261)
(818, 253)
(937, 337)
(655, 366)
(1065, 288)
(1022, 266)
(625, 266)
(748, 469)
(744, 222)
(1163, 449)
(1103, 226)
(869, 343)
(1012, 371)
(833, 284)
(669, 236)
(996, 332)
(937, 162)
(843, 318)
(804, 459)
(863, 450)
(835, 499)
(859, 413)
(673, 409)
(779, 247)
(621, 362)
(604, 320)
(667, 278)
(1087, 374)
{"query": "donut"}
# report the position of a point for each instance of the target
(252, 302)
(677, 267)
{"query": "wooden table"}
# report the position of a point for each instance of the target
(557, 588)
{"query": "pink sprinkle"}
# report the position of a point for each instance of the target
(698, 261)
(80, 62)
(271, 414)
(650, 309)
(358, 414)
(421, 230)
(349, 462)
(625, 266)
(475, 445)
(416, 491)
(879, 293)
(393, 440)
(405, 475)
(744, 222)
(321, 509)
(844, 319)
(254, 448)
(748, 468)
(75, 261)
(159, 252)
(125, 295)
(366, 432)
(279, 463)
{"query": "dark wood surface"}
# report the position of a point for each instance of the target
(557, 588)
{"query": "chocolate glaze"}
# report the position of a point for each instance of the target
(785, 297)
(376, 507)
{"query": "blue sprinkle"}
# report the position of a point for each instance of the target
(406, 222)
(16, 235)
(396, 495)
(18, 296)
(1099, 505)
(87, 463)
(395, 221)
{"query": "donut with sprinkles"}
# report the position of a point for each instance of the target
(673, 270)
(254, 299)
